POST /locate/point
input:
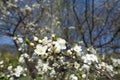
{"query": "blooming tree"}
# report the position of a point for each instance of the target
(53, 59)
(50, 57)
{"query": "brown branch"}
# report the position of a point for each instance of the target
(76, 16)
(85, 42)
(92, 21)
(108, 42)
(86, 18)
(79, 26)
(17, 25)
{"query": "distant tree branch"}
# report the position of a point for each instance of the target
(79, 26)
(87, 21)
(108, 42)
(76, 16)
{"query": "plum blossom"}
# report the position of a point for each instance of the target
(1, 64)
(20, 40)
(73, 77)
(69, 52)
(28, 8)
(25, 55)
(10, 68)
(92, 50)
(36, 5)
(44, 40)
(35, 38)
(83, 75)
(45, 67)
(76, 65)
(85, 66)
(21, 59)
(89, 58)
(11, 78)
(42, 67)
(16, 0)
(59, 45)
(32, 44)
(115, 62)
(109, 68)
(77, 48)
(52, 73)
(40, 49)
(105, 67)
(18, 71)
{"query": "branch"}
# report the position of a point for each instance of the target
(79, 24)
(86, 18)
(112, 38)
(76, 16)
(92, 16)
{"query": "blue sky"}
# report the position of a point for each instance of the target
(5, 40)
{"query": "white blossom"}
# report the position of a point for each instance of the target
(16, 0)
(35, 38)
(52, 73)
(18, 71)
(20, 40)
(89, 58)
(85, 66)
(61, 43)
(57, 47)
(25, 55)
(40, 49)
(42, 67)
(14, 38)
(45, 40)
(1, 62)
(32, 44)
(92, 50)
(71, 27)
(20, 49)
(77, 48)
(116, 62)
(76, 65)
(109, 67)
(11, 78)
(21, 59)
(53, 35)
(83, 75)
(45, 67)
(73, 77)
(35, 5)
(10, 68)
(2, 66)
(105, 67)
(69, 52)
(11, 5)
(28, 8)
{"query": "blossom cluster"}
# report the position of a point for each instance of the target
(12, 73)
(52, 59)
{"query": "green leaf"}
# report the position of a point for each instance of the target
(27, 41)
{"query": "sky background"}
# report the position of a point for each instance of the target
(6, 40)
